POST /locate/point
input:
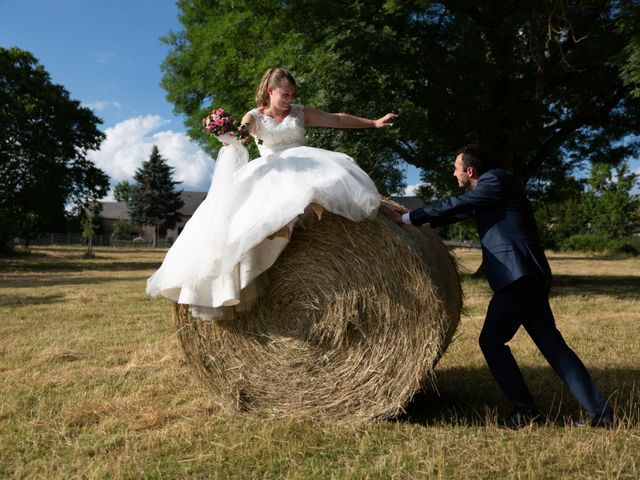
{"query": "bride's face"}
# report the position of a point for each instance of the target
(281, 97)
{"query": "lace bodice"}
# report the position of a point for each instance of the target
(272, 137)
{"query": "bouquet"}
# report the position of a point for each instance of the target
(221, 123)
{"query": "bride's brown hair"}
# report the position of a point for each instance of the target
(274, 77)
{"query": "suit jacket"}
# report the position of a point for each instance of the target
(505, 222)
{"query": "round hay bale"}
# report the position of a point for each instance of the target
(353, 321)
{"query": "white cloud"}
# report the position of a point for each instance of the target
(106, 57)
(410, 190)
(99, 105)
(129, 143)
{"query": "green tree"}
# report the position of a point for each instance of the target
(155, 201)
(88, 233)
(44, 140)
(559, 211)
(123, 191)
(121, 227)
(539, 83)
(90, 225)
(608, 206)
(629, 24)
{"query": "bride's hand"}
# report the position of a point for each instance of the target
(386, 121)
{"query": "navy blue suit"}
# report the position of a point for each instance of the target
(519, 274)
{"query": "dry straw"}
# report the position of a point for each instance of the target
(353, 321)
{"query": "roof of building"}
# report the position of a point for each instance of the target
(114, 210)
(409, 202)
(192, 200)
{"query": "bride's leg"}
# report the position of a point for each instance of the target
(317, 209)
(284, 232)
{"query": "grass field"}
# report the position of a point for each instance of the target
(93, 384)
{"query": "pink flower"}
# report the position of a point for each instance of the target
(219, 122)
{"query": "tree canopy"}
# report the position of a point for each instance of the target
(543, 85)
(609, 209)
(44, 140)
(123, 191)
(630, 25)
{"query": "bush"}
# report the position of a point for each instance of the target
(599, 243)
(628, 246)
(583, 243)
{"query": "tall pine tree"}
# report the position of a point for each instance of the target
(155, 201)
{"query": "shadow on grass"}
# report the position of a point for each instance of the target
(622, 287)
(595, 257)
(468, 396)
(22, 300)
(76, 266)
(63, 259)
(33, 281)
(618, 286)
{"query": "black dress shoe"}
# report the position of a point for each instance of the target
(596, 422)
(521, 419)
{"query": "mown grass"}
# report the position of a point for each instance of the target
(93, 384)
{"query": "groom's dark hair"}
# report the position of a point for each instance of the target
(474, 156)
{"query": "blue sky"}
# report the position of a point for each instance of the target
(100, 51)
(107, 55)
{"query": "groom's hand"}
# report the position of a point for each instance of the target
(392, 213)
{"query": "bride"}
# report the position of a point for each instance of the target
(247, 218)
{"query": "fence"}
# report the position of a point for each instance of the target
(98, 240)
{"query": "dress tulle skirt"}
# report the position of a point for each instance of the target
(229, 241)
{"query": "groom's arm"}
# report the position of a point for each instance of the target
(487, 192)
(435, 222)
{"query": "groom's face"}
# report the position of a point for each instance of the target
(460, 172)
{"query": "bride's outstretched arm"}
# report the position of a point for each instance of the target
(317, 118)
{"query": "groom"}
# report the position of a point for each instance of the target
(519, 275)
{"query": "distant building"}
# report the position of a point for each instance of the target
(112, 211)
(192, 201)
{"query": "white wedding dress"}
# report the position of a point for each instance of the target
(215, 263)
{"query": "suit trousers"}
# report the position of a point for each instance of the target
(526, 302)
